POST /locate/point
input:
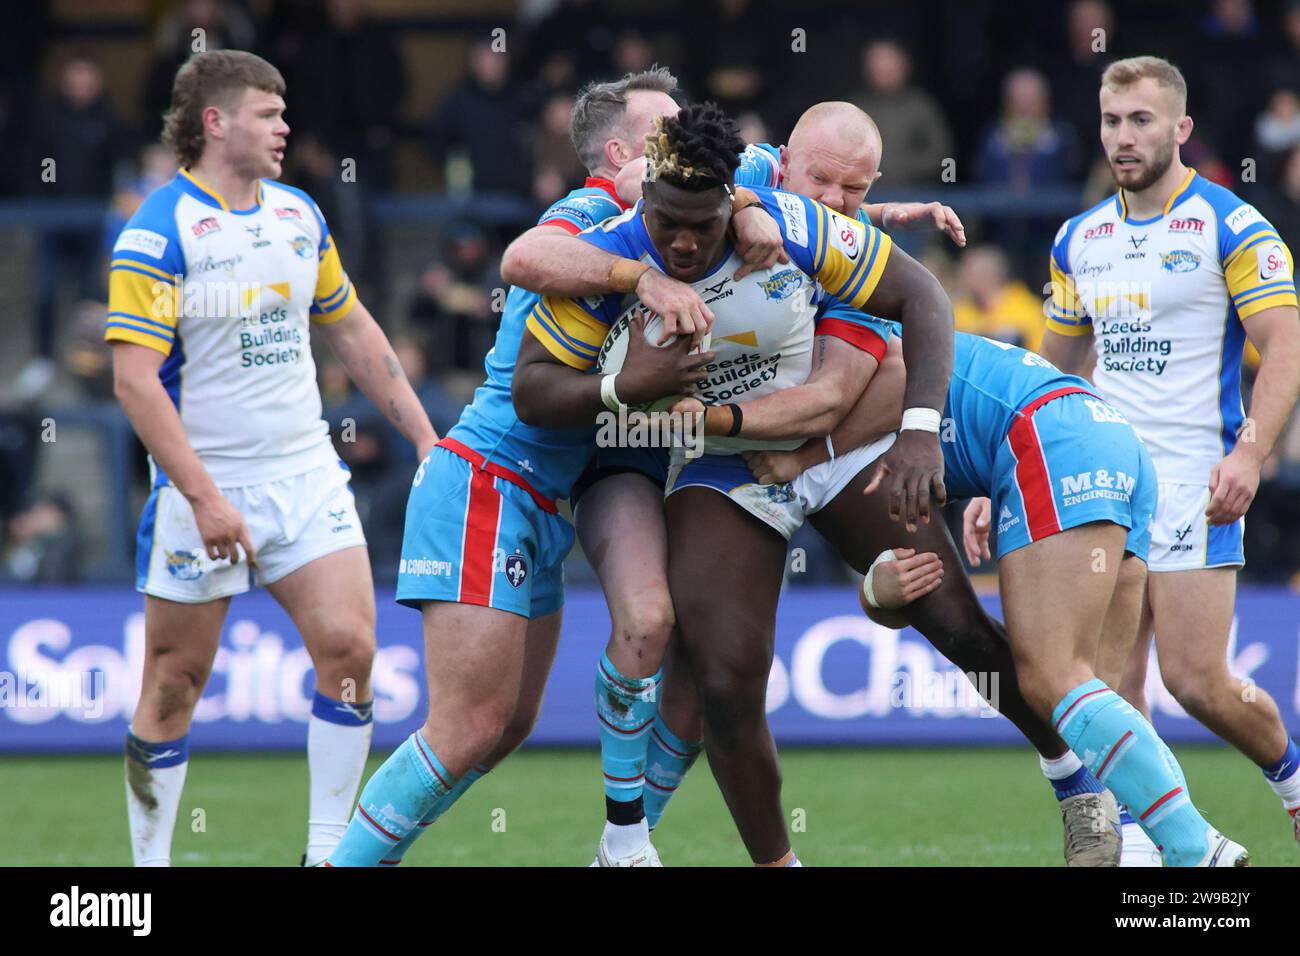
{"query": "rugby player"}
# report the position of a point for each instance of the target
(215, 284)
(1018, 425)
(762, 338)
(484, 543)
(1160, 285)
(832, 156)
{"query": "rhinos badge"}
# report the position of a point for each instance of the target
(184, 565)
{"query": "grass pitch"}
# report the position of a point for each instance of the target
(932, 807)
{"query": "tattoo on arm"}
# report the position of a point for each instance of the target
(821, 351)
(394, 415)
(394, 368)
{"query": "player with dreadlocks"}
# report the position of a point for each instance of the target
(762, 341)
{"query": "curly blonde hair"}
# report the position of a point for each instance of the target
(217, 79)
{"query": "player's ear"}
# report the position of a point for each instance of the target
(785, 161)
(1183, 131)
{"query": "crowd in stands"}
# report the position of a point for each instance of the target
(994, 94)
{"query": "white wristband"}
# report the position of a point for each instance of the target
(607, 393)
(921, 419)
(868, 590)
(830, 447)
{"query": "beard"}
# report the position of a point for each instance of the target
(1159, 165)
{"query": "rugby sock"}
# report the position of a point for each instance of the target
(1284, 780)
(401, 793)
(668, 758)
(395, 855)
(1138, 850)
(338, 741)
(1127, 756)
(1068, 776)
(626, 707)
(155, 777)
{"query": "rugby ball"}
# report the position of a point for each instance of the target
(614, 350)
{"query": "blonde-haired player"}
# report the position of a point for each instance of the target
(215, 285)
(1159, 286)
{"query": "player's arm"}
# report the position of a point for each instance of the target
(1072, 354)
(1068, 339)
(899, 216)
(551, 387)
(364, 350)
(878, 411)
(1260, 275)
(840, 372)
(1275, 332)
(155, 419)
(858, 265)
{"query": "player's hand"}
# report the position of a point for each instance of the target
(921, 215)
(774, 467)
(1233, 483)
(908, 577)
(222, 529)
(976, 521)
(650, 373)
(758, 241)
(914, 466)
(683, 311)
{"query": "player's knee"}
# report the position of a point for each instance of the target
(733, 698)
(173, 689)
(1195, 689)
(517, 729)
(345, 652)
(650, 622)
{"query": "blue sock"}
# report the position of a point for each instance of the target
(626, 707)
(1068, 776)
(1127, 756)
(401, 793)
(1124, 816)
(395, 855)
(668, 757)
(1286, 767)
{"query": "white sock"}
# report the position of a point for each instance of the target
(1061, 767)
(1288, 790)
(153, 795)
(624, 840)
(336, 761)
(1138, 849)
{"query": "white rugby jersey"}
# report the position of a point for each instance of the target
(227, 294)
(763, 324)
(1164, 298)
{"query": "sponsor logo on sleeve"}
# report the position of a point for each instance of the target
(1272, 261)
(1060, 233)
(1241, 217)
(795, 216)
(847, 235)
(144, 241)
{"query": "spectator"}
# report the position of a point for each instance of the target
(1076, 77)
(1284, 69)
(483, 117)
(84, 139)
(632, 53)
(457, 300)
(1026, 147)
(991, 303)
(194, 25)
(355, 72)
(44, 543)
(727, 41)
(157, 166)
(1277, 132)
(752, 128)
(913, 128)
(1225, 79)
(558, 166)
